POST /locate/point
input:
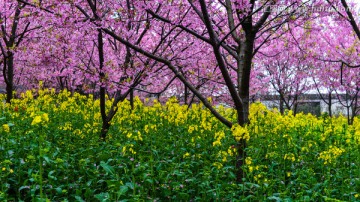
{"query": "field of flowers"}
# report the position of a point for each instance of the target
(50, 151)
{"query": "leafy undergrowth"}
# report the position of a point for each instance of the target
(50, 151)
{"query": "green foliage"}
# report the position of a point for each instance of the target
(50, 151)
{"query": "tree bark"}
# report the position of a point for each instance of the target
(330, 104)
(281, 107)
(9, 56)
(105, 125)
(243, 78)
(295, 104)
(9, 76)
(132, 99)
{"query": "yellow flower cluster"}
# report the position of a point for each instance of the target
(222, 155)
(128, 148)
(192, 128)
(257, 111)
(240, 132)
(187, 154)
(67, 126)
(331, 154)
(152, 127)
(290, 157)
(218, 165)
(248, 160)
(6, 128)
(231, 151)
(10, 170)
(356, 129)
(218, 136)
(43, 118)
(135, 137)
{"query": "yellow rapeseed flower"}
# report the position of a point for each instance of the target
(218, 136)
(36, 120)
(45, 117)
(191, 129)
(248, 160)
(6, 128)
(231, 150)
(331, 154)
(290, 157)
(240, 132)
(186, 155)
(218, 165)
(146, 129)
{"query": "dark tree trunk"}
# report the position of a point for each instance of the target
(9, 76)
(104, 130)
(243, 74)
(295, 103)
(132, 99)
(283, 102)
(281, 107)
(354, 107)
(330, 104)
(348, 114)
(105, 125)
(9, 55)
(348, 106)
(185, 95)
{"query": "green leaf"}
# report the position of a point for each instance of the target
(130, 185)
(102, 196)
(275, 198)
(78, 198)
(107, 167)
(88, 183)
(150, 181)
(58, 190)
(47, 159)
(50, 176)
(123, 190)
(24, 187)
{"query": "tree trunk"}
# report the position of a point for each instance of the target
(105, 125)
(185, 95)
(283, 102)
(243, 119)
(295, 103)
(132, 99)
(11, 44)
(354, 107)
(9, 76)
(281, 107)
(330, 104)
(104, 129)
(243, 74)
(348, 114)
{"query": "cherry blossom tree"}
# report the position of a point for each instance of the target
(336, 57)
(234, 31)
(224, 49)
(16, 30)
(285, 64)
